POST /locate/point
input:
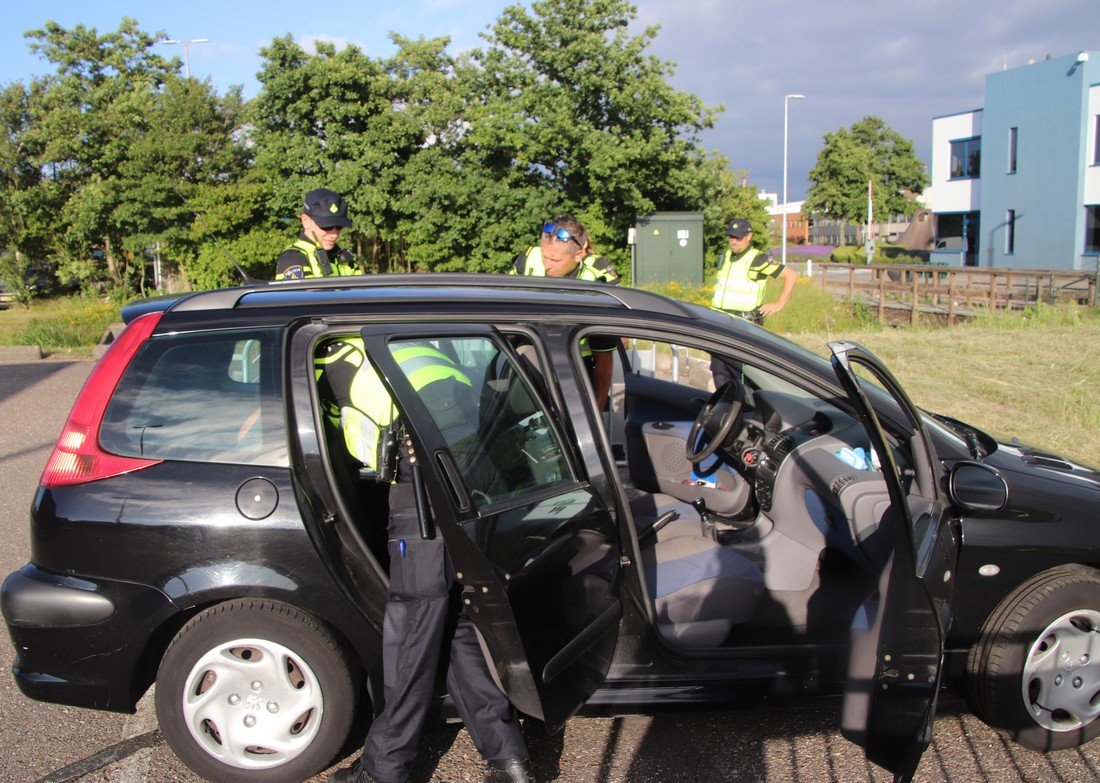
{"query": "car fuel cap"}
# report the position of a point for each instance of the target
(257, 498)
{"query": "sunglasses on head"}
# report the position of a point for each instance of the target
(561, 234)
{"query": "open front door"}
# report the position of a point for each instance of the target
(533, 546)
(898, 638)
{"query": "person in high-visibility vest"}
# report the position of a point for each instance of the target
(418, 608)
(316, 252)
(743, 276)
(742, 281)
(565, 251)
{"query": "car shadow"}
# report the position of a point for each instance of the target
(17, 377)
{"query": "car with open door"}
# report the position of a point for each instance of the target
(803, 528)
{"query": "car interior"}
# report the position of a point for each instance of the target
(773, 536)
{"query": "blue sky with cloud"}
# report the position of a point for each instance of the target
(905, 63)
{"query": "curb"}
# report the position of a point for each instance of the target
(20, 353)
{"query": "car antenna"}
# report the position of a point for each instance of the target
(244, 275)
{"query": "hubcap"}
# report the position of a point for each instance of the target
(252, 703)
(1061, 682)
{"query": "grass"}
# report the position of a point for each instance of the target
(63, 326)
(1037, 380)
(1031, 375)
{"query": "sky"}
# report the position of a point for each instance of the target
(903, 62)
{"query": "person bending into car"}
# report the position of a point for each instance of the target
(564, 250)
(421, 603)
(316, 252)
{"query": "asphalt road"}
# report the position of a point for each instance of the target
(784, 742)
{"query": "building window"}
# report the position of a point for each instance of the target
(966, 158)
(1096, 142)
(1012, 150)
(1092, 230)
(1010, 232)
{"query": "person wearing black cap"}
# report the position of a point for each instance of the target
(743, 275)
(316, 253)
(742, 280)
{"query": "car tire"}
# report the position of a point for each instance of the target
(254, 690)
(1034, 673)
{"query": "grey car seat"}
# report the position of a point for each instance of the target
(700, 589)
(646, 510)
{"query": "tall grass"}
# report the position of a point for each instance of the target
(58, 324)
(1032, 375)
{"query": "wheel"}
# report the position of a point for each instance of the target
(255, 690)
(1035, 671)
(716, 420)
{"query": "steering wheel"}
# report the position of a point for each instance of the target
(718, 418)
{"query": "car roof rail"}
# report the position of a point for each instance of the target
(631, 298)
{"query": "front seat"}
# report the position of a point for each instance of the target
(700, 589)
(647, 509)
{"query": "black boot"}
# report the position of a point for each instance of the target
(509, 771)
(352, 774)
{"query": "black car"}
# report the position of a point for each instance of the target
(802, 528)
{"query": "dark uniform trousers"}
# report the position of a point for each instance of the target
(414, 626)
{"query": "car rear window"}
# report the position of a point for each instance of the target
(212, 397)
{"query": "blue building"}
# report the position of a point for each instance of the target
(1017, 182)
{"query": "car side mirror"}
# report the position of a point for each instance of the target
(977, 487)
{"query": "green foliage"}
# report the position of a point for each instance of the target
(255, 253)
(79, 327)
(448, 162)
(809, 309)
(15, 271)
(851, 157)
(849, 254)
(884, 254)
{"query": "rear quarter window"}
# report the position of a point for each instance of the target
(213, 397)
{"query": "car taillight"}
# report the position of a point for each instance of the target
(77, 457)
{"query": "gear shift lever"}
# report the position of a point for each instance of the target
(706, 517)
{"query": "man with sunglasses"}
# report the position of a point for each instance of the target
(564, 251)
(316, 253)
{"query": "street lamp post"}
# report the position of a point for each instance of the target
(186, 51)
(783, 217)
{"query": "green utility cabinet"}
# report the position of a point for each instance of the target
(668, 246)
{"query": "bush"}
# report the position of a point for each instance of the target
(80, 327)
(256, 252)
(849, 254)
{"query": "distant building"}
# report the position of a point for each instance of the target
(1017, 181)
(798, 227)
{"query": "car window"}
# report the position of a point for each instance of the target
(212, 397)
(491, 418)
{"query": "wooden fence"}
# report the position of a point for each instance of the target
(952, 292)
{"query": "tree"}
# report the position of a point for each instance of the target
(340, 120)
(90, 114)
(568, 111)
(851, 157)
(24, 220)
(182, 167)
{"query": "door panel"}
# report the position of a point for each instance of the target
(533, 546)
(897, 639)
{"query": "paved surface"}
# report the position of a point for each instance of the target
(789, 742)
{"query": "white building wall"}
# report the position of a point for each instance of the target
(1092, 168)
(962, 195)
